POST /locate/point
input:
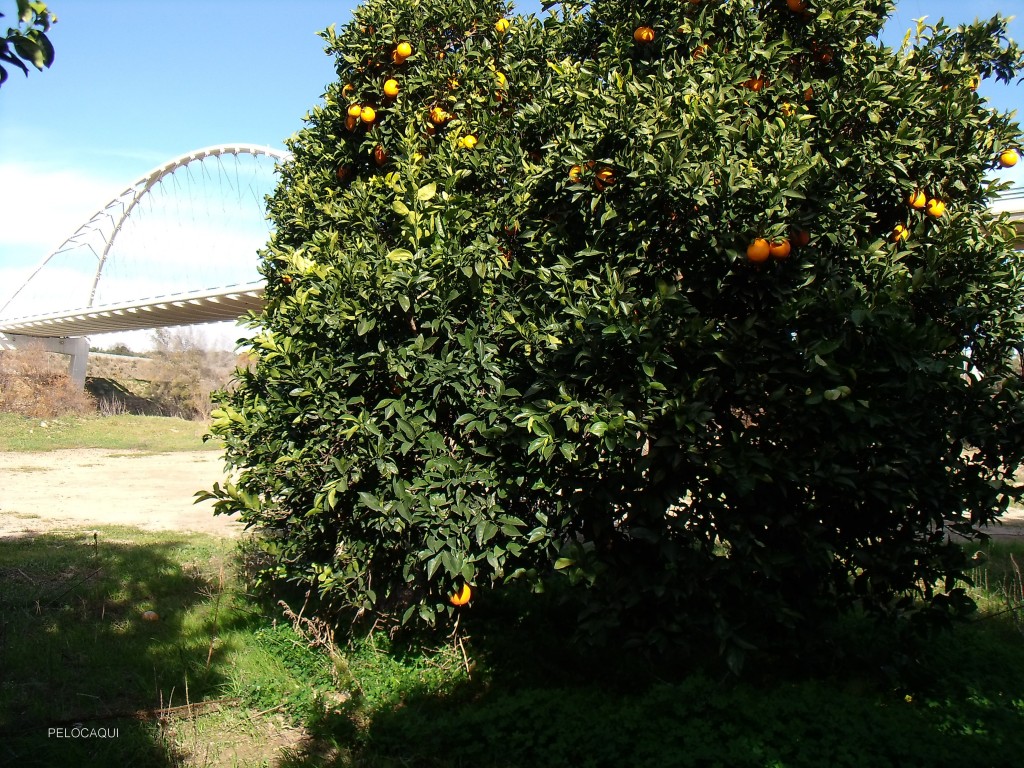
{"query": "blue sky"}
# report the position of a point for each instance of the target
(137, 82)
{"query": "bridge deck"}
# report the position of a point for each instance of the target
(206, 306)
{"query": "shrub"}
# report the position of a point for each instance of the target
(564, 348)
(36, 383)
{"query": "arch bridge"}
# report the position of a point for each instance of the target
(139, 261)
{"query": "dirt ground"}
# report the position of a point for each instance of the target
(82, 487)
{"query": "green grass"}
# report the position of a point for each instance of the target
(153, 434)
(74, 648)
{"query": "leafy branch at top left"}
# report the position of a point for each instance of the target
(27, 42)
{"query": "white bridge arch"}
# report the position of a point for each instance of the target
(63, 329)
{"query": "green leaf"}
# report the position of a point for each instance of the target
(564, 562)
(426, 192)
(399, 254)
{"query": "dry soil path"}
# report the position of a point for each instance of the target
(84, 487)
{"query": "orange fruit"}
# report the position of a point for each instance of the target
(699, 51)
(756, 84)
(604, 178)
(800, 238)
(380, 155)
(403, 50)
(351, 122)
(935, 208)
(438, 116)
(468, 141)
(643, 35)
(900, 234)
(796, 6)
(1008, 158)
(917, 199)
(501, 26)
(344, 173)
(286, 279)
(462, 597)
(348, 90)
(391, 88)
(575, 174)
(759, 250)
(779, 249)
(808, 93)
(787, 109)
(368, 115)
(354, 110)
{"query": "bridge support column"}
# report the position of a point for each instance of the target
(77, 347)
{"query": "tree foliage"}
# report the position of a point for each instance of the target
(27, 42)
(558, 353)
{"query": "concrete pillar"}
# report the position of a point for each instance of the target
(76, 347)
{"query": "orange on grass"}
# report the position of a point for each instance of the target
(917, 199)
(1008, 158)
(935, 208)
(900, 233)
(759, 250)
(391, 88)
(643, 34)
(463, 596)
(779, 249)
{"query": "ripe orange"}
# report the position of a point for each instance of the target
(917, 199)
(354, 110)
(468, 141)
(759, 250)
(351, 122)
(501, 26)
(808, 93)
(796, 6)
(756, 84)
(699, 51)
(900, 234)
(380, 155)
(403, 50)
(787, 109)
(779, 249)
(1008, 158)
(575, 174)
(391, 88)
(604, 178)
(344, 173)
(643, 35)
(463, 596)
(286, 279)
(935, 208)
(368, 115)
(438, 116)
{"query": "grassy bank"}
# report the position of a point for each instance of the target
(75, 648)
(155, 434)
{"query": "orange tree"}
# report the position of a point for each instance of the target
(698, 305)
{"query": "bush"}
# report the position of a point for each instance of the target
(36, 383)
(186, 372)
(564, 347)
